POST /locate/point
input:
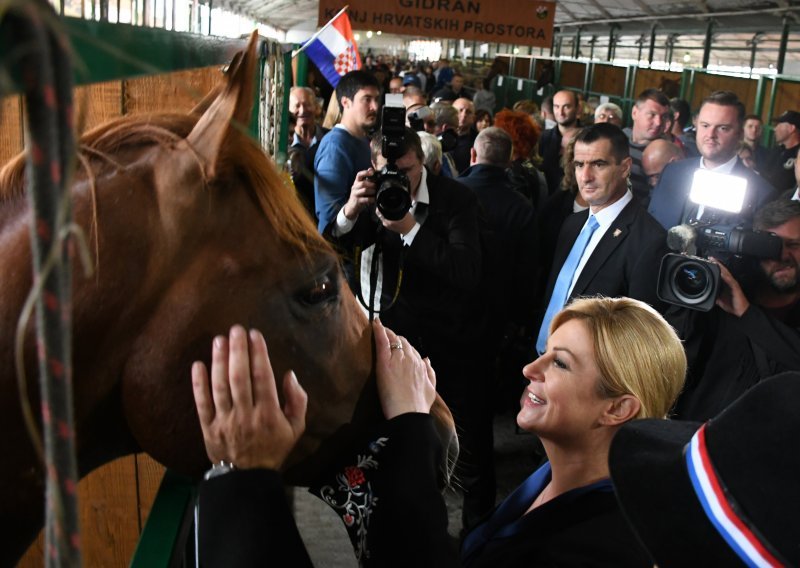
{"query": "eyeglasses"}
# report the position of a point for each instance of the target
(604, 116)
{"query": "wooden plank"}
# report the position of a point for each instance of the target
(652, 79)
(150, 473)
(787, 97)
(97, 104)
(573, 74)
(608, 80)
(11, 138)
(522, 66)
(108, 515)
(706, 83)
(183, 90)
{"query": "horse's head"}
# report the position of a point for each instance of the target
(193, 230)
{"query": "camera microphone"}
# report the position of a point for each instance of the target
(682, 239)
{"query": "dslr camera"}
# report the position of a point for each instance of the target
(686, 278)
(393, 196)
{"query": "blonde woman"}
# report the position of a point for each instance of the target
(608, 361)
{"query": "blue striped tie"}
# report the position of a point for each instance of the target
(564, 281)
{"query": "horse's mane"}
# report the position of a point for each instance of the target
(105, 147)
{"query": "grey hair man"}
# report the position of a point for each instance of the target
(608, 112)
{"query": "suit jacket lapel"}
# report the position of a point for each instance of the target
(613, 237)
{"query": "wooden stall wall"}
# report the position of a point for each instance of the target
(115, 500)
(654, 79)
(787, 97)
(609, 80)
(705, 84)
(573, 75)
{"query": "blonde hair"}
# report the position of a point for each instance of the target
(636, 351)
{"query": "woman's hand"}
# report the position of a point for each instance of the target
(240, 415)
(406, 382)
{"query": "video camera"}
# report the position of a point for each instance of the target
(393, 197)
(688, 279)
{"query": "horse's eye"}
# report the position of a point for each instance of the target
(323, 290)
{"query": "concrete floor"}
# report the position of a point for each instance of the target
(326, 538)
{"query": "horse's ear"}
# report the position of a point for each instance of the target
(233, 104)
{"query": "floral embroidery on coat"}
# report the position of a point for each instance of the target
(350, 495)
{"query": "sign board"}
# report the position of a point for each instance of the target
(516, 22)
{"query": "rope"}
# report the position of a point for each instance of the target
(39, 52)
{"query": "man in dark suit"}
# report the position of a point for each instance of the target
(615, 247)
(555, 140)
(719, 132)
(429, 275)
(511, 261)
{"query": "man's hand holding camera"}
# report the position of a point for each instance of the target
(731, 298)
(402, 226)
(362, 194)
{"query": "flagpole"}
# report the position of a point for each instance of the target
(297, 52)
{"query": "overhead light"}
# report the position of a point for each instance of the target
(369, 34)
(687, 57)
(516, 50)
(379, 32)
(358, 37)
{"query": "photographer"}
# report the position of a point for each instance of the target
(747, 337)
(430, 259)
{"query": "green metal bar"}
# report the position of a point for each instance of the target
(175, 497)
(652, 49)
(783, 45)
(707, 43)
(588, 71)
(106, 51)
(302, 68)
(685, 74)
(283, 138)
(761, 88)
(255, 112)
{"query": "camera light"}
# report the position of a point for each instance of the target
(718, 191)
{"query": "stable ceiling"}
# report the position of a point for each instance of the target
(735, 24)
(632, 15)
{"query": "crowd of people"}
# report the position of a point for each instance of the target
(536, 235)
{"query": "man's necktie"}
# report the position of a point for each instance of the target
(564, 281)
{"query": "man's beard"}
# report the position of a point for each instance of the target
(783, 285)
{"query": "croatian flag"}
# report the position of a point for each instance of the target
(334, 50)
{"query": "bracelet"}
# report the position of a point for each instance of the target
(218, 469)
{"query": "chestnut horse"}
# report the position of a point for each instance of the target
(192, 230)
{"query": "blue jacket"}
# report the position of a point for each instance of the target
(339, 158)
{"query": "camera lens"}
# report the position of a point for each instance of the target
(691, 282)
(393, 199)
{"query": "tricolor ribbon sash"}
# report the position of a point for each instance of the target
(721, 509)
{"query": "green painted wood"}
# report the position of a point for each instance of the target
(175, 498)
(104, 51)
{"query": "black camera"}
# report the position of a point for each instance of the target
(393, 196)
(689, 280)
(416, 119)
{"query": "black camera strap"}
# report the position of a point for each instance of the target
(375, 265)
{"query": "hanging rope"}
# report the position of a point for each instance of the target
(34, 51)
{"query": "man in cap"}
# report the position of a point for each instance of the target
(779, 169)
(723, 493)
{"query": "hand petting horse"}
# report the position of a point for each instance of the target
(191, 230)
